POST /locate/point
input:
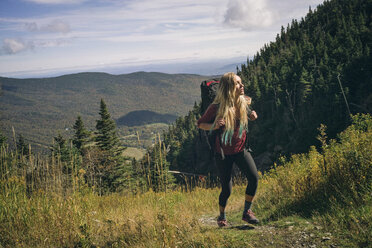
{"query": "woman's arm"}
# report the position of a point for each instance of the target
(207, 126)
(206, 121)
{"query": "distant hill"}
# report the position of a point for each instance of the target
(143, 117)
(39, 108)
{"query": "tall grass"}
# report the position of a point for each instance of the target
(47, 202)
(43, 206)
(333, 184)
(163, 219)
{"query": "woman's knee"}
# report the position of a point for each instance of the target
(254, 179)
(226, 191)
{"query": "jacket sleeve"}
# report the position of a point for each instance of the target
(209, 115)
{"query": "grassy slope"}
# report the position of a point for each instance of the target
(175, 219)
(312, 200)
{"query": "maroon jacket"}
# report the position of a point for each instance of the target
(237, 144)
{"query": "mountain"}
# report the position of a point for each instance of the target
(39, 108)
(317, 71)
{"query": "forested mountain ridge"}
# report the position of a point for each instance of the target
(318, 71)
(39, 108)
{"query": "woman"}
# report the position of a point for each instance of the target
(229, 113)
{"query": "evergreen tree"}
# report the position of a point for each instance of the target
(81, 135)
(107, 138)
(60, 148)
(114, 172)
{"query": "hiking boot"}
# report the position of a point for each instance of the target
(249, 217)
(221, 222)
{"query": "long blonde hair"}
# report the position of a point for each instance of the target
(228, 107)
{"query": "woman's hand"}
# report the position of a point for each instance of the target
(253, 116)
(220, 123)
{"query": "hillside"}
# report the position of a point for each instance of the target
(40, 108)
(317, 71)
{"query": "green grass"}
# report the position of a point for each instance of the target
(151, 220)
(319, 199)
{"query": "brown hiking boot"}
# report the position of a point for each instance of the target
(221, 222)
(249, 217)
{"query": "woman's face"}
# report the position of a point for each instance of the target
(239, 87)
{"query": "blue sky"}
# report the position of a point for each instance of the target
(44, 37)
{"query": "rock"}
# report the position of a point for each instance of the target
(325, 238)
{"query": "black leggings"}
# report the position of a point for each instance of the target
(246, 165)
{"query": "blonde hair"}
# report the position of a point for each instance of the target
(229, 107)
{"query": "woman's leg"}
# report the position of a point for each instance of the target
(248, 167)
(224, 170)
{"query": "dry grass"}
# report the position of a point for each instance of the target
(46, 208)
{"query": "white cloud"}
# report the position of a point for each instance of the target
(254, 15)
(12, 46)
(56, 1)
(55, 26)
(110, 31)
(58, 26)
(248, 14)
(52, 43)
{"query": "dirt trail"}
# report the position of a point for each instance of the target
(280, 234)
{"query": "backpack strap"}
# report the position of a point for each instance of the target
(247, 146)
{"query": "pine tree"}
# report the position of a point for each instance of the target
(60, 148)
(114, 171)
(81, 135)
(107, 138)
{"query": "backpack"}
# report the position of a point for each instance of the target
(204, 147)
(208, 90)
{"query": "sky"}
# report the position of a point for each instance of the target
(55, 37)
